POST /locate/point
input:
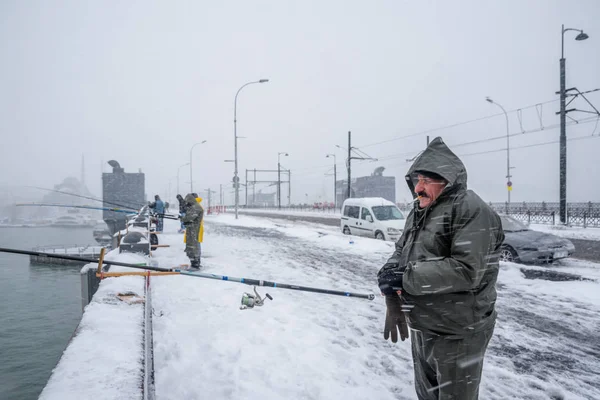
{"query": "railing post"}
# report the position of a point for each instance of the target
(584, 219)
(528, 217)
(553, 217)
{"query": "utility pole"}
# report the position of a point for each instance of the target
(349, 162)
(563, 125)
(209, 197)
(289, 186)
(279, 177)
(334, 179)
(334, 186)
(236, 178)
(508, 176)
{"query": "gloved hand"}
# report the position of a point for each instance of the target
(389, 278)
(395, 319)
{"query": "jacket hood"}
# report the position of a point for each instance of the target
(190, 199)
(439, 159)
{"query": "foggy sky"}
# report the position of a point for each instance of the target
(141, 82)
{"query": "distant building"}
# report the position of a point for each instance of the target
(375, 185)
(261, 199)
(125, 189)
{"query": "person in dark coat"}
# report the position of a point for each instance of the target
(181, 211)
(159, 208)
(192, 221)
(441, 280)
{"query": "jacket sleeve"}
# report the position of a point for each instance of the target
(395, 258)
(475, 244)
(392, 265)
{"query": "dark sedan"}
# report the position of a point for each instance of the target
(524, 245)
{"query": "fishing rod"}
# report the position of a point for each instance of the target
(73, 206)
(74, 258)
(257, 282)
(248, 300)
(84, 197)
(167, 216)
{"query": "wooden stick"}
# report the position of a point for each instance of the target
(100, 261)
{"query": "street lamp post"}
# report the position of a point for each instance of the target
(334, 180)
(563, 126)
(236, 179)
(178, 176)
(279, 177)
(508, 176)
(191, 179)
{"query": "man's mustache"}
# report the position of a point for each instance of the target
(422, 193)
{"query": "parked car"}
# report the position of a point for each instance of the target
(372, 217)
(524, 245)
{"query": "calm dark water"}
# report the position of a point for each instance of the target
(40, 307)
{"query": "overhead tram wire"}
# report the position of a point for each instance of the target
(442, 128)
(479, 141)
(399, 155)
(529, 145)
(490, 151)
(454, 125)
(411, 153)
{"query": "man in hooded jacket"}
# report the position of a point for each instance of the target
(181, 211)
(192, 220)
(441, 279)
(159, 208)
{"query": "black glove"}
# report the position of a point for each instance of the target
(390, 278)
(395, 319)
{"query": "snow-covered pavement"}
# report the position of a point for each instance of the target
(313, 346)
(569, 232)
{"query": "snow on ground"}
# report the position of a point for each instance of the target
(562, 231)
(104, 358)
(568, 232)
(314, 346)
(307, 213)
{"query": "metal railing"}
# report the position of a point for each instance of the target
(74, 249)
(299, 207)
(572, 208)
(586, 215)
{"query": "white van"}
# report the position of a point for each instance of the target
(372, 217)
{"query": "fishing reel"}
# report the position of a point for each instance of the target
(250, 300)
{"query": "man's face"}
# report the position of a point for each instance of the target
(428, 189)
